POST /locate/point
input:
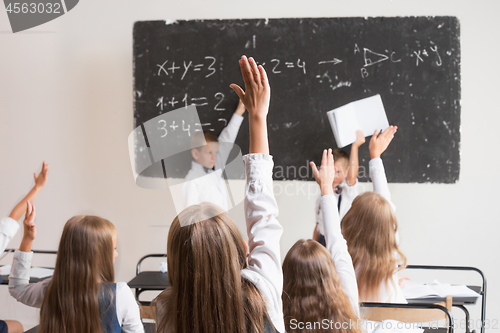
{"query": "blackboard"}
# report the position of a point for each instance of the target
(314, 65)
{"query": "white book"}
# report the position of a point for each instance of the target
(35, 272)
(416, 290)
(367, 115)
(41, 272)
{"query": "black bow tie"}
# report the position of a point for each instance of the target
(206, 169)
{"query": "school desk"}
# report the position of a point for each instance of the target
(148, 280)
(459, 302)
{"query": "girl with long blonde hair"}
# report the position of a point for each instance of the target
(319, 284)
(81, 296)
(370, 229)
(212, 287)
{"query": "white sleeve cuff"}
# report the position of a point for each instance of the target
(258, 165)
(9, 227)
(376, 165)
(24, 257)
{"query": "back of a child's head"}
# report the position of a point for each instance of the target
(207, 293)
(84, 261)
(312, 290)
(369, 229)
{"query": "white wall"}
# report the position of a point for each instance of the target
(66, 97)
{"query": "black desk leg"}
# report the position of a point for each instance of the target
(467, 317)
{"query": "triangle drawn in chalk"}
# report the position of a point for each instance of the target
(379, 57)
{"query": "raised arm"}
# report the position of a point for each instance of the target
(352, 172)
(256, 100)
(264, 231)
(19, 286)
(230, 132)
(378, 144)
(9, 225)
(228, 136)
(40, 181)
(335, 242)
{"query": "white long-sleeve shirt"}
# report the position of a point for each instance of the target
(264, 234)
(337, 246)
(8, 228)
(32, 294)
(202, 186)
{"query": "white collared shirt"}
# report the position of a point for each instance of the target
(210, 186)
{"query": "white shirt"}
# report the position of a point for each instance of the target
(202, 186)
(337, 246)
(32, 294)
(8, 228)
(264, 234)
(349, 193)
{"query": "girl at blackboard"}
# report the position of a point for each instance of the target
(320, 293)
(81, 296)
(212, 288)
(370, 229)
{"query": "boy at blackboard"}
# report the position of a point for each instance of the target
(345, 184)
(204, 181)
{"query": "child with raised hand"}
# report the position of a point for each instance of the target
(81, 296)
(9, 225)
(345, 184)
(210, 159)
(320, 284)
(370, 229)
(212, 287)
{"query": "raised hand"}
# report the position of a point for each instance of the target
(257, 91)
(360, 139)
(240, 109)
(256, 101)
(41, 179)
(325, 175)
(29, 228)
(380, 142)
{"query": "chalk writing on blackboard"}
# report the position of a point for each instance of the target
(314, 65)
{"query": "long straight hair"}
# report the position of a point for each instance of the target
(207, 292)
(369, 229)
(312, 291)
(84, 261)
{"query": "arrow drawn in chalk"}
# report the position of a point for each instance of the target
(335, 61)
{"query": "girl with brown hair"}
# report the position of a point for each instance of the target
(81, 296)
(370, 229)
(212, 288)
(320, 293)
